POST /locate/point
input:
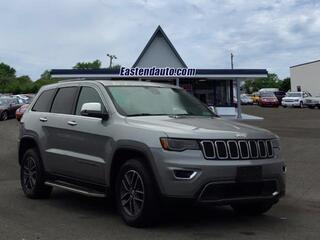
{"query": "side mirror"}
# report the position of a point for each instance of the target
(94, 109)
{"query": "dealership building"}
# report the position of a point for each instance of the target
(160, 62)
(306, 77)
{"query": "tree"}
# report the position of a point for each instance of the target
(285, 85)
(7, 71)
(88, 65)
(271, 81)
(45, 79)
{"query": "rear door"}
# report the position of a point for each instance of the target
(58, 132)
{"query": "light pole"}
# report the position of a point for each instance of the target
(231, 60)
(111, 58)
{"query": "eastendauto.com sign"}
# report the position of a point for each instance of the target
(154, 72)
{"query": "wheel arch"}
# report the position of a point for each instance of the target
(25, 144)
(125, 152)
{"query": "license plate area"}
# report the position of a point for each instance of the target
(252, 173)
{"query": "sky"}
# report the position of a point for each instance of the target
(36, 35)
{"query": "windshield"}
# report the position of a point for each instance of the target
(294, 94)
(145, 100)
(267, 94)
(4, 102)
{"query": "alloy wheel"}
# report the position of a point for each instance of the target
(132, 194)
(4, 116)
(29, 174)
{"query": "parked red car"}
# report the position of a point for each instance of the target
(268, 99)
(20, 111)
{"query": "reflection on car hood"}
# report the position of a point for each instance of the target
(199, 127)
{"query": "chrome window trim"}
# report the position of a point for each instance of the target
(238, 154)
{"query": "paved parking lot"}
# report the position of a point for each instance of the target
(70, 216)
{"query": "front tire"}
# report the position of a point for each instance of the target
(252, 209)
(301, 105)
(136, 195)
(32, 176)
(4, 116)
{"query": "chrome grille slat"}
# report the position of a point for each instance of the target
(229, 144)
(218, 151)
(237, 149)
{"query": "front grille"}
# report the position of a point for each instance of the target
(236, 149)
(234, 190)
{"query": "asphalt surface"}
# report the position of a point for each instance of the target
(70, 216)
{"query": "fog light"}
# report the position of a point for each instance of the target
(284, 169)
(184, 174)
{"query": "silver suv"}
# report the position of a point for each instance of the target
(142, 142)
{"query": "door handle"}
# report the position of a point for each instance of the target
(72, 123)
(43, 119)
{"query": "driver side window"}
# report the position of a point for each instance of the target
(87, 95)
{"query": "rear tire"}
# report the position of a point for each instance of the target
(32, 176)
(252, 209)
(136, 195)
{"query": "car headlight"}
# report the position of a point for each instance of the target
(176, 144)
(275, 143)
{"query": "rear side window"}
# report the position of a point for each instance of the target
(64, 100)
(87, 95)
(44, 101)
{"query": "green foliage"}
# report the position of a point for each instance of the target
(9, 83)
(285, 85)
(7, 71)
(272, 81)
(88, 65)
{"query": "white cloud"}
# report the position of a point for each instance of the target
(274, 34)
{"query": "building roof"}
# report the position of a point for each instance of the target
(159, 32)
(298, 65)
(200, 73)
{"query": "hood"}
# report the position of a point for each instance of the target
(199, 127)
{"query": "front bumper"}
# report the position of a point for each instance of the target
(269, 104)
(220, 175)
(290, 104)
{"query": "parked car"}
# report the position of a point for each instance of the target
(295, 99)
(312, 102)
(268, 99)
(269, 90)
(20, 111)
(255, 97)
(143, 142)
(280, 95)
(8, 107)
(246, 100)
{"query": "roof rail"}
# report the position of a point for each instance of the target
(74, 79)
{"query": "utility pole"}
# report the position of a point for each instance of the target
(111, 58)
(231, 60)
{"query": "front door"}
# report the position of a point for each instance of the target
(89, 142)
